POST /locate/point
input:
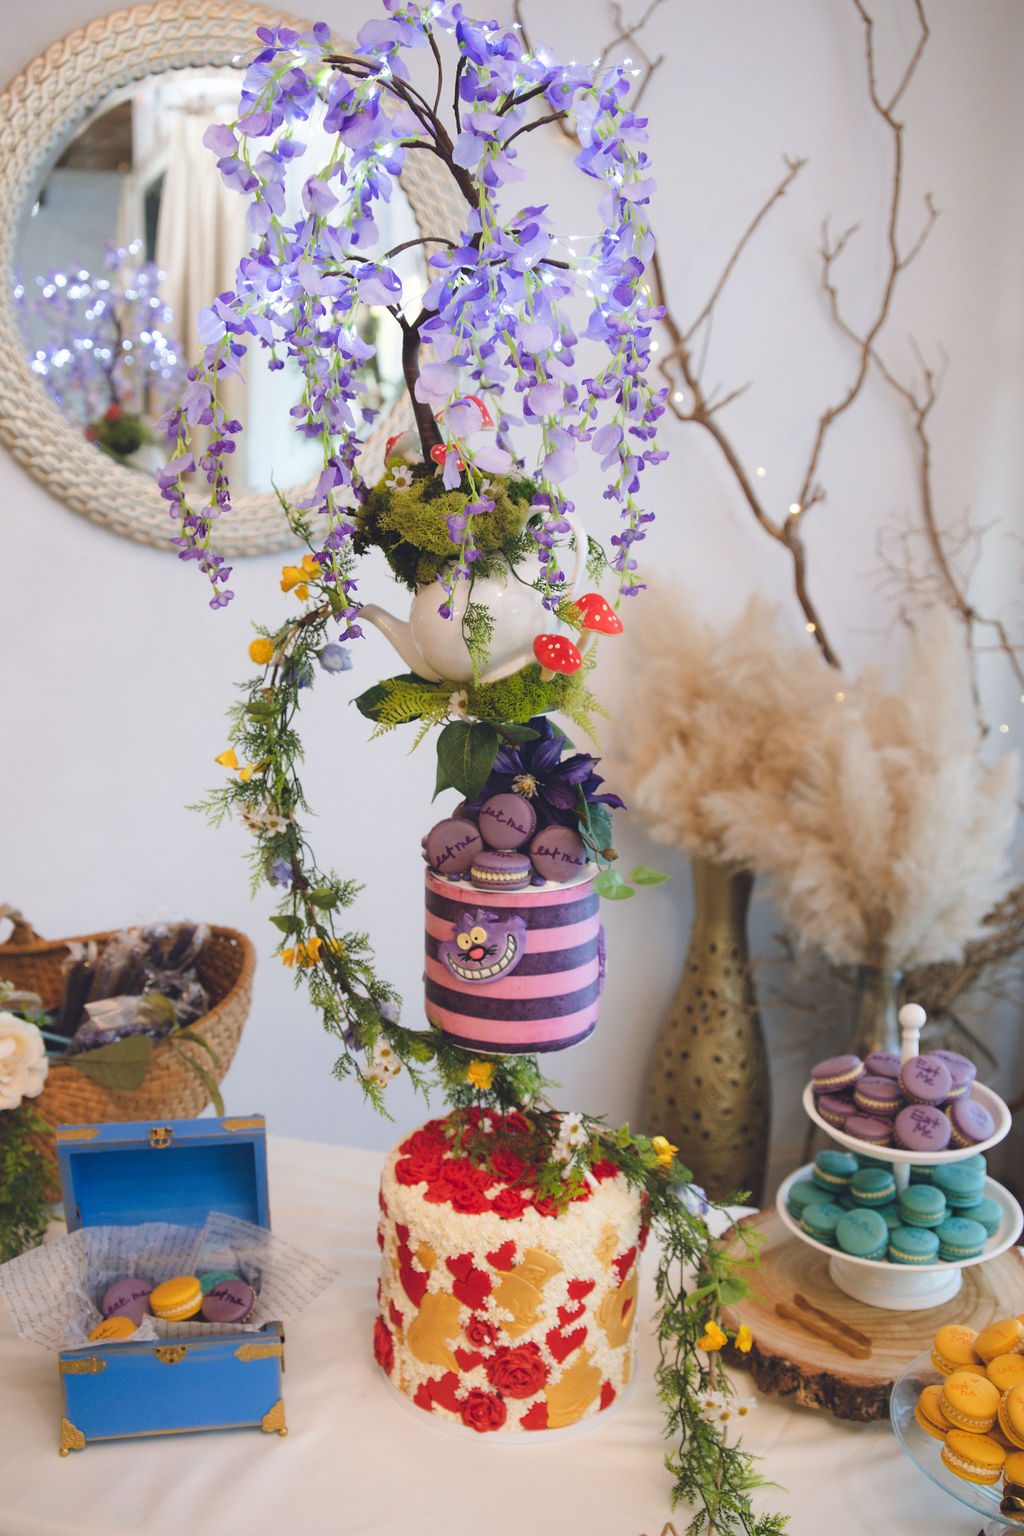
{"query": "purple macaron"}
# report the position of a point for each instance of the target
(962, 1071)
(925, 1080)
(970, 1122)
(835, 1109)
(873, 1129)
(558, 853)
(921, 1128)
(451, 846)
(882, 1064)
(506, 821)
(501, 869)
(231, 1301)
(127, 1298)
(878, 1096)
(836, 1074)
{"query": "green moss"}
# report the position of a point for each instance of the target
(410, 525)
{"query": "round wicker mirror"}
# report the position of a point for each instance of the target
(42, 109)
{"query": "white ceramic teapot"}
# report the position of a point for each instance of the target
(434, 647)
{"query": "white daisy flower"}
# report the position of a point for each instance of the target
(400, 478)
(458, 703)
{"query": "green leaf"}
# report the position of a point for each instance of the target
(465, 756)
(287, 924)
(373, 701)
(643, 874)
(187, 1034)
(513, 731)
(260, 709)
(612, 887)
(323, 897)
(732, 1290)
(121, 1066)
(598, 824)
(208, 1082)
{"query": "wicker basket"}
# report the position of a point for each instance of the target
(171, 1090)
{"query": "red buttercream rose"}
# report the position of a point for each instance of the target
(604, 1170)
(482, 1411)
(481, 1332)
(508, 1165)
(545, 1206)
(517, 1370)
(383, 1348)
(418, 1167)
(429, 1138)
(509, 1204)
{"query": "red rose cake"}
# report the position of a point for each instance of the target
(497, 1311)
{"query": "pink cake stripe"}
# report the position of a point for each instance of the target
(512, 1033)
(538, 898)
(538, 940)
(515, 986)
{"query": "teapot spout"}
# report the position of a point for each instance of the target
(399, 632)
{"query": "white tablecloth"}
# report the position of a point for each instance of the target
(356, 1463)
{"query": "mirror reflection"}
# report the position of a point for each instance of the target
(131, 234)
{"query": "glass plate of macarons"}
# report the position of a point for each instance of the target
(988, 1469)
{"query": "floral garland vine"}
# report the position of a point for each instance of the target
(496, 315)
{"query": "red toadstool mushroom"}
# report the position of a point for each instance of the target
(556, 654)
(596, 613)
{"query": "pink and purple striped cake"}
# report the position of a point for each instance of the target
(513, 971)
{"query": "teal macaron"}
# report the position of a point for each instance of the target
(216, 1277)
(922, 1205)
(913, 1245)
(988, 1213)
(960, 1238)
(800, 1195)
(873, 1186)
(820, 1221)
(863, 1234)
(962, 1187)
(833, 1170)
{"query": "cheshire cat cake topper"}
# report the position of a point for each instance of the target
(483, 946)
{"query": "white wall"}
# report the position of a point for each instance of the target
(117, 675)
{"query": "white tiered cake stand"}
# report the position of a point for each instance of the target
(905, 1287)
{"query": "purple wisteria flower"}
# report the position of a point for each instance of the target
(555, 334)
(536, 770)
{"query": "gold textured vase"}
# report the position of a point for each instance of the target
(708, 1088)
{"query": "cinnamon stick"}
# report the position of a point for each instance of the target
(831, 1336)
(834, 1322)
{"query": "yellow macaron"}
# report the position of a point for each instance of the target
(177, 1299)
(113, 1328)
(1003, 1337)
(928, 1412)
(1011, 1416)
(975, 1458)
(970, 1402)
(1013, 1472)
(1005, 1371)
(953, 1349)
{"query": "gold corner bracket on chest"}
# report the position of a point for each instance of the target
(89, 1365)
(273, 1423)
(259, 1351)
(248, 1123)
(71, 1439)
(171, 1354)
(76, 1133)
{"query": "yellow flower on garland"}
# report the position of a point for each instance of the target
(664, 1150)
(227, 759)
(480, 1074)
(744, 1338)
(261, 651)
(303, 953)
(712, 1338)
(295, 577)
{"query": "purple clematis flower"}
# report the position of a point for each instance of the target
(537, 770)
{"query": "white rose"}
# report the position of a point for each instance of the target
(23, 1063)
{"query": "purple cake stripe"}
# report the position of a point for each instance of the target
(515, 984)
(474, 1003)
(558, 914)
(556, 962)
(551, 940)
(543, 1035)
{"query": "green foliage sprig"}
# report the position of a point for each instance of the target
(24, 1210)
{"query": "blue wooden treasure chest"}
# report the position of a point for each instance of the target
(127, 1174)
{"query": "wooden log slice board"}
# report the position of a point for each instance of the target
(788, 1361)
